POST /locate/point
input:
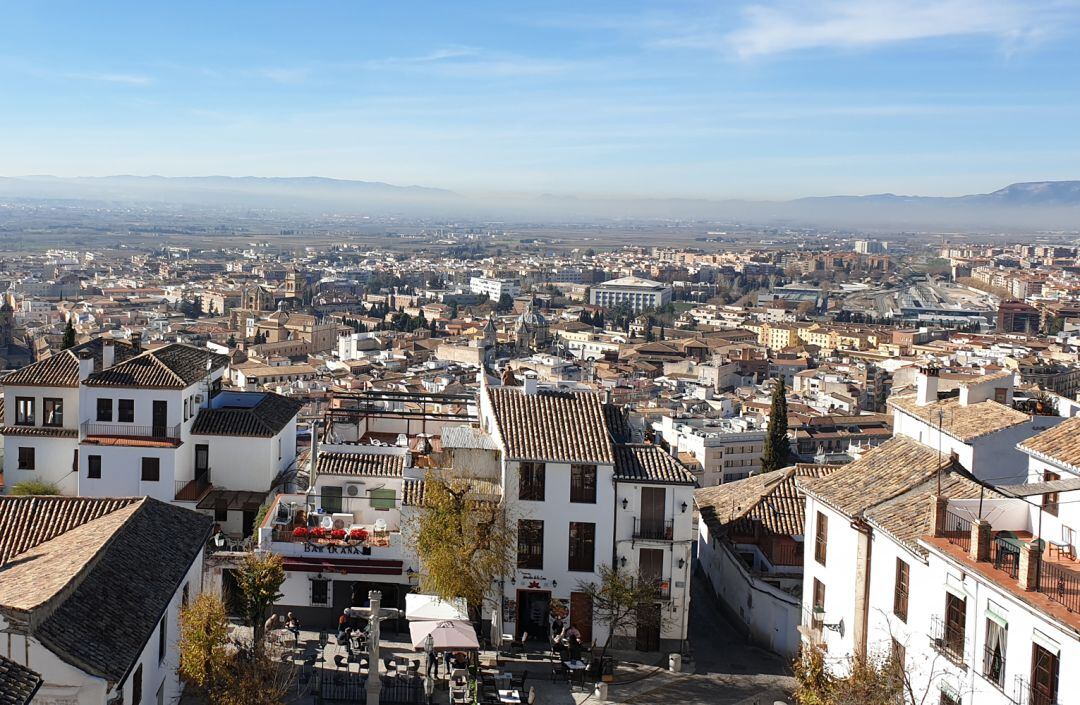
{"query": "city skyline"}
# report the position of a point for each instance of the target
(756, 100)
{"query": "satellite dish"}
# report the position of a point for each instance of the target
(327, 522)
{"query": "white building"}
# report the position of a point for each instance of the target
(979, 425)
(725, 449)
(91, 595)
(563, 475)
(153, 423)
(494, 288)
(637, 293)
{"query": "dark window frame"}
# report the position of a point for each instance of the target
(32, 454)
(583, 483)
(136, 685)
(57, 404)
(530, 542)
(323, 586)
(150, 462)
(821, 537)
(582, 547)
(93, 467)
(163, 636)
(125, 412)
(817, 607)
(532, 481)
(901, 590)
(104, 413)
(1051, 500)
(25, 411)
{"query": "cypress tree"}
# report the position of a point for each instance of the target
(69, 336)
(776, 451)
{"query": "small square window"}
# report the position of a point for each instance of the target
(151, 469)
(26, 458)
(104, 409)
(126, 411)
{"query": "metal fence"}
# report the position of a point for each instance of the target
(1060, 584)
(958, 531)
(1005, 555)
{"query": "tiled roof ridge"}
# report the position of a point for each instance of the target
(30, 506)
(160, 363)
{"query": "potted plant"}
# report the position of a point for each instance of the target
(337, 534)
(318, 534)
(357, 535)
(300, 532)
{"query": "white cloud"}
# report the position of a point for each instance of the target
(286, 76)
(470, 62)
(787, 26)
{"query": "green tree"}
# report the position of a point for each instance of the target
(463, 539)
(506, 303)
(69, 336)
(259, 578)
(203, 648)
(616, 602)
(34, 487)
(775, 453)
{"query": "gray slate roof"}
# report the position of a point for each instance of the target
(265, 419)
(175, 366)
(17, 683)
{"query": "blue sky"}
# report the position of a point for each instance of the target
(766, 99)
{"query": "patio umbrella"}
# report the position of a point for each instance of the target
(447, 635)
(420, 607)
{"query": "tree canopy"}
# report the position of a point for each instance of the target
(777, 449)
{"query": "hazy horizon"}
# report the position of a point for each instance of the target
(757, 100)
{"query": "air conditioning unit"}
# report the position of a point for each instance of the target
(327, 522)
(342, 520)
(354, 489)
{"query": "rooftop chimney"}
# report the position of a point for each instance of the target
(136, 343)
(108, 353)
(927, 387)
(531, 383)
(86, 364)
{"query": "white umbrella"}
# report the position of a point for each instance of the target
(448, 635)
(420, 607)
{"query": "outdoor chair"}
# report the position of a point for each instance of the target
(1064, 547)
(559, 672)
(518, 682)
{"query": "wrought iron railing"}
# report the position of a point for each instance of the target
(1028, 693)
(1005, 555)
(1060, 584)
(948, 638)
(124, 430)
(654, 529)
(994, 666)
(958, 531)
(192, 490)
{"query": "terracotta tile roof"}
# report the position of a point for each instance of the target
(59, 370)
(18, 684)
(265, 419)
(39, 431)
(145, 559)
(1061, 444)
(552, 425)
(884, 472)
(964, 423)
(131, 442)
(26, 522)
(62, 368)
(648, 463)
(175, 366)
(412, 493)
(772, 500)
(907, 516)
(360, 463)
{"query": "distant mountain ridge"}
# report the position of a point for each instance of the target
(1025, 205)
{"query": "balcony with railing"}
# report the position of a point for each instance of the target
(1029, 693)
(96, 429)
(193, 490)
(958, 530)
(948, 638)
(654, 529)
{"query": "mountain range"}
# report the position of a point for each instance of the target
(1019, 206)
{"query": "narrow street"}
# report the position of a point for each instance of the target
(727, 670)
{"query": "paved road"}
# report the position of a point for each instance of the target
(727, 670)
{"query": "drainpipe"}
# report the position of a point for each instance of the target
(862, 591)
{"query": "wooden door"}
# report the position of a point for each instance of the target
(652, 512)
(581, 615)
(648, 627)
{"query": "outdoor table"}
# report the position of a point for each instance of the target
(577, 668)
(509, 696)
